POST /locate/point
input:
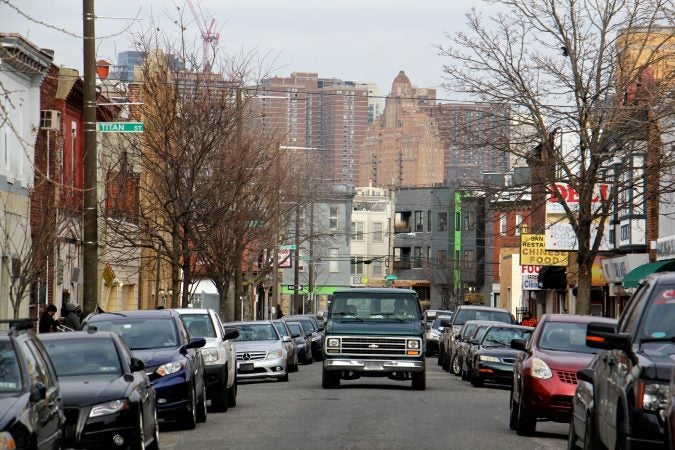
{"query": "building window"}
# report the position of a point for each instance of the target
(357, 265)
(519, 224)
(442, 221)
(468, 221)
(419, 222)
(377, 232)
(333, 266)
(469, 262)
(612, 236)
(625, 232)
(377, 268)
(441, 259)
(429, 221)
(417, 258)
(333, 219)
(427, 263)
(357, 231)
(502, 225)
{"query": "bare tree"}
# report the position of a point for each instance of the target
(582, 68)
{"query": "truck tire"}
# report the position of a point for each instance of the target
(232, 392)
(419, 380)
(329, 380)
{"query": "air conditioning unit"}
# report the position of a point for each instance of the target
(356, 280)
(50, 119)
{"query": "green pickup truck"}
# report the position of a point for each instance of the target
(374, 333)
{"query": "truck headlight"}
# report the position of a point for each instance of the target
(488, 358)
(169, 368)
(412, 344)
(540, 369)
(333, 342)
(210, 355)
(652, 396)
(275, 354)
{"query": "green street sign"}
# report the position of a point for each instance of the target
(391, 277)
(287, 247)
(121, 127)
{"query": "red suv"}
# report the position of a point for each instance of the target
(545, 372)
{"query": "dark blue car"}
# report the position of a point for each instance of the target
(172, 359)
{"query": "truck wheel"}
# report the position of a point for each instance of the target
(232, 392)
(219, 400)
(329, 380)
(419, 380)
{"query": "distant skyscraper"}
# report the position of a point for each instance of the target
(129, 60)
(326, 116)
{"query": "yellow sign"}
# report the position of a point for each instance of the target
(533, 252)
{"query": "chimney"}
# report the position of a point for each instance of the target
(102, 69)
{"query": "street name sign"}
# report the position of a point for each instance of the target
(288, 247)
(391, 277)
(121, 127)
(291, 287)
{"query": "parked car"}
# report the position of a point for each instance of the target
(545, 372)
(31, 408)
(444, 341)
(316, 338)
(303, 344)
(260, 350)
(631, 385)
(433, 334)
(171, 357)
(469, 346)
(476, 312)
(583, 403)
(289, 345)
(455, 359)
(220, 358)
(430, 315)
(669, 414)
(107, 396)
(492, 359)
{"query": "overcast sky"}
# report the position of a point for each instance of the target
(364, 40)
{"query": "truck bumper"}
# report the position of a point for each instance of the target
(374, 365)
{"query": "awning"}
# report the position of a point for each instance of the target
(633, 278)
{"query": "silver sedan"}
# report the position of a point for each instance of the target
(260, 351)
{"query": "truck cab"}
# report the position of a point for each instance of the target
(374, 332)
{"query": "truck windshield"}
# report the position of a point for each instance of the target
(659, 318)
(374, 306)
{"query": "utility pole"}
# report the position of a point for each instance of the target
(312, 297)
(296, 257)
(90, 257)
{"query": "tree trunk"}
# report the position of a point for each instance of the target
(238, 292)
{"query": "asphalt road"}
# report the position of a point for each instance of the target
(369, 413)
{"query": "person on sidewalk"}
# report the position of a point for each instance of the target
(47, 322)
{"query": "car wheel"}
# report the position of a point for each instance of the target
(232, 392)
(201, 406)
(455, 368)
(140, 435)
(329, 380)
(219, 401)
(513, 410)
(296, 364)
(441, 357)
(190, 416)
(526, 423)
(463, 373)
(476, 382)
(622, 432)
(155, 434)
(419, 380)
(285, 377)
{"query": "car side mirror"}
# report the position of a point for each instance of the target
(230, 333)
(586, 375)
(519, 344)
(136, 365)
(604, 336)
(39, 392)
(195, 342)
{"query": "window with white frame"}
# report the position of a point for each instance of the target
(333, 217)
(333, 265)
(377, 232)
(376, 268)
(357, 231)
(357, 265)
(502, 225)
(519, 224)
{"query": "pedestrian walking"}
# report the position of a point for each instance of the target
(72, 319)
(47, 322)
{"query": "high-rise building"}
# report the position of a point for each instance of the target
(326, 117)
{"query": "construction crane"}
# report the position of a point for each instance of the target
(209, 36)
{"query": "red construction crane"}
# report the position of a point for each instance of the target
(209, 36)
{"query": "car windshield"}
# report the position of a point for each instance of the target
(469, 329)
(375, 307)
(501, 337)
(141, 333)
(91, 356)
(437, 322)
(10, 375)
(199, 325)
(256, 332)
(480, 332)
(481, 314)
(280, 328)
(659, 318)
(295, 328)
(565, 337)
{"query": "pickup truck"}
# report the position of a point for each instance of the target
(374, 332)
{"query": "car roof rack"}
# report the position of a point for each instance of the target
(16, 325)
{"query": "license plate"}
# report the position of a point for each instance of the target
(246, 367)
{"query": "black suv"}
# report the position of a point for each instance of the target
(631, 375)
(31, 409)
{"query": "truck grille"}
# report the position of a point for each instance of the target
(373, 346)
